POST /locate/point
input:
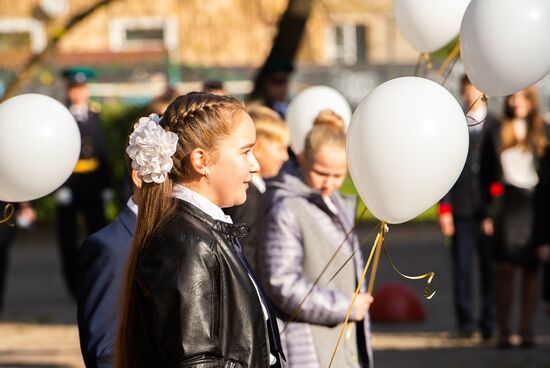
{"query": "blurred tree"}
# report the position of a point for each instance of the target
(56, 34)
(291, 27)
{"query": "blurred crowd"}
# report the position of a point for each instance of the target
(496, 216)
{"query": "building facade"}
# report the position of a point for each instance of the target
(208, 33)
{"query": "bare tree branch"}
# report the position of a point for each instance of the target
(36, 60)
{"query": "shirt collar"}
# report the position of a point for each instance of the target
(201, 202)
(259, 183)
(132, 205)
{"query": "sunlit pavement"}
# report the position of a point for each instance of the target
(37, 328)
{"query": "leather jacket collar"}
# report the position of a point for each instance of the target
(239, 230)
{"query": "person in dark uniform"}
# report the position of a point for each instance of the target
(88, 186)
(460, 215)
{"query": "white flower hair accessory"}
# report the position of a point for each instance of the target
(151, 149)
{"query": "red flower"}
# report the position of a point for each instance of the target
(445, 208)
(496, 189)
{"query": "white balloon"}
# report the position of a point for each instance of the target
(406, 147)
(39, 146)
(428, 25)
(304, 108)
(504, 44)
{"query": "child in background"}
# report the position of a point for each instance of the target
(272, 139)
(308, 219)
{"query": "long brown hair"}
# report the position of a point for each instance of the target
(536, 135)
(199, 120)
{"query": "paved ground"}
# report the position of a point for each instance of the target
(38, 328)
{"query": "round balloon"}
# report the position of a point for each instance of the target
(39, 146)
(428, 25)
(504, 44)
(304, 108)
(406, 146)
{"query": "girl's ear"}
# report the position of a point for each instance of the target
(199, 161)
(136, 179)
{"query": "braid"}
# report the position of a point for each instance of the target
(199, 119)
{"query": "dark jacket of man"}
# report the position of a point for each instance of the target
(102, 267)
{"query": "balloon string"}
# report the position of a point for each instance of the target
(383, 230)
(453, 55)
(422, 57)
(485, 100)
(352, 255)
(378, 242)
(298, 309)
(429, 275)
(9, 210)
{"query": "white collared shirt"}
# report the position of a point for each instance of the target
(132, 205)
(79, 112)
(212, 210)
(259, 183)
(201, 202)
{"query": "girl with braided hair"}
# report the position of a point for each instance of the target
(190, 298)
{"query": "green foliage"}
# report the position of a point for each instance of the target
(349, 188)
(443, 52)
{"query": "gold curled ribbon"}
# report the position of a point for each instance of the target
(9, 210)
(376, 246)
(449, 59)
(375, 252)
(429, 275)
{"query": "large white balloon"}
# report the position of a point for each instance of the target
(428, 25)
(504, 44)
(39, 146)
(304, 108)
(406, 146)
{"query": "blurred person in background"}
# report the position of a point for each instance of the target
(89, 187)
(511, 155)
(308, 219)
(542, 226)
(275, 86)
(214, 87)
(24, 217)
(160, 102)
(460, 215)
(272, 139)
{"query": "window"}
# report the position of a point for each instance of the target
(143, 33)
(21, 33)
(347, 44)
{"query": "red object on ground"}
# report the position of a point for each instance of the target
(395, 302)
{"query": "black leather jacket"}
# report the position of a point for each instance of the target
(197, 304)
